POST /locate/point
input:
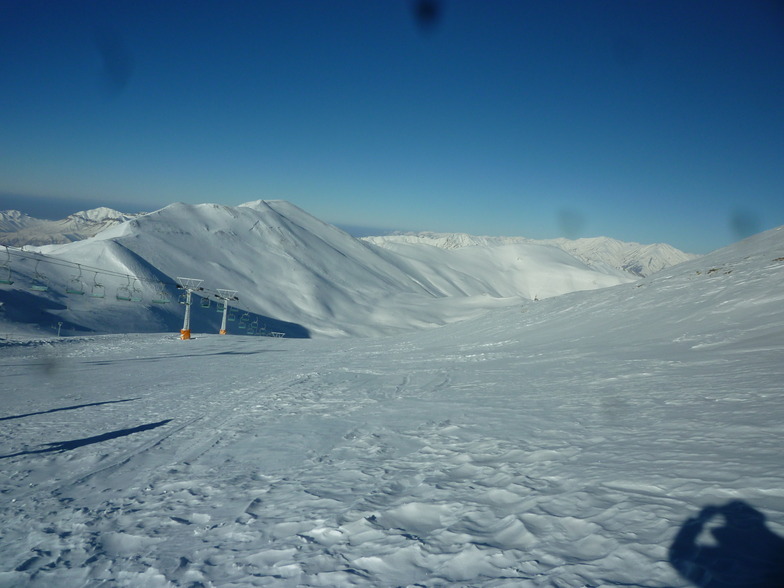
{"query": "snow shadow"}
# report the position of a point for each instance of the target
(76, 406)
(24, 307)
(207, 320)
(729, 547)
(61, 446)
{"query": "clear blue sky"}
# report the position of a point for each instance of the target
(643, 120)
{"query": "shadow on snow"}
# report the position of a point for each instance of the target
(729, 547)
(21, 416)
(61, 446)
(44, 310)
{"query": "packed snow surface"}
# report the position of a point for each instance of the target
(629, 436)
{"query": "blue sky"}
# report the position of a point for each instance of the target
(643, 120)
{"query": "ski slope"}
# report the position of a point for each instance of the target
(591, 439)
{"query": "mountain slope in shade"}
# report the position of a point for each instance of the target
(288, 265)
(18, 229)
(635, 258)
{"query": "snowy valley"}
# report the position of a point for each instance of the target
(618, 431)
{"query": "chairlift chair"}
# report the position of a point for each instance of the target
(244, 321)
(221, 305)
(5, 275)
(97, 290)
(75, 285)
(232, 315)
(205, 302)
(183, 299)
(5, 269)
(161, 296)
(136, 292)
(124, 292)
(40, 283)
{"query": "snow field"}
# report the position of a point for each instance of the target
(559, 443)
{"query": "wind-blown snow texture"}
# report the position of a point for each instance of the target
(593, 439)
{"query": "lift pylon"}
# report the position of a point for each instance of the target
(225, 296)
(189, 285)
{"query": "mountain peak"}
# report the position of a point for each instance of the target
(14, 220)
(100, 214)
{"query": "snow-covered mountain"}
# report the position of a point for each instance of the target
(18, 229)
(638, 259)
(291, 267)
(629, 436)
(635, 258)
(12, 221)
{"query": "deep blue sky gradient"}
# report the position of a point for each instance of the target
(643, 120)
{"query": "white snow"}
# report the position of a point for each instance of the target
(293, 272)
(635, 258)
(14, 220)
(559, 443)
(19, 229)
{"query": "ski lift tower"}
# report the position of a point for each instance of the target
(189, 285)
(226, 295)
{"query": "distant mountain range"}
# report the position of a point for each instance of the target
(635, 258)
(18, 229)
